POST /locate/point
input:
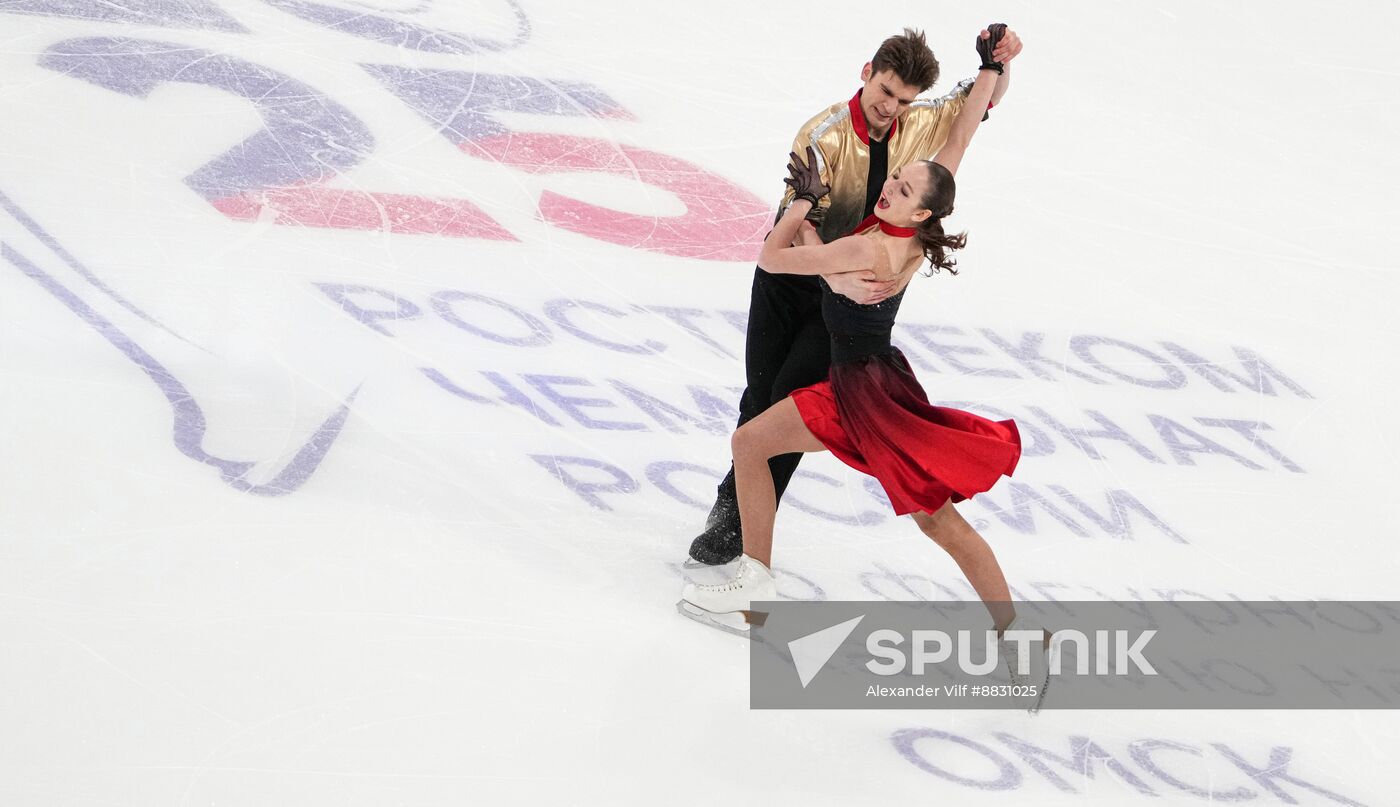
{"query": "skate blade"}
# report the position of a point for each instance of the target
(692, 563)
(1034, 708)
(732, 622)
(1044, 689)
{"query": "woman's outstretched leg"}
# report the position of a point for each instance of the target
(951, 531)
(970, 551)
(777, 431)
(727, 605)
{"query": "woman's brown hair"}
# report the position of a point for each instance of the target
(939, 199)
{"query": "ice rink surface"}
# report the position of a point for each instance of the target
(366, 368)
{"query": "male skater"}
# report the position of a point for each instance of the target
(858, 143)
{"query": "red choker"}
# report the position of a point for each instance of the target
(897, 232)
(886, 227)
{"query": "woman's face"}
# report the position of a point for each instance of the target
(900, 199)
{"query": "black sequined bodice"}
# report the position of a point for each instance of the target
(858, 330)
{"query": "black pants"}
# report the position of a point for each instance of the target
(787, 347)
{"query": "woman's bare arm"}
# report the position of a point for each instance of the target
(1007, 49)
(969, 118)
(780, 257)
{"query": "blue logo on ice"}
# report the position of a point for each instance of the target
(811, 652)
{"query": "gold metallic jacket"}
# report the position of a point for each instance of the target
(839, 137)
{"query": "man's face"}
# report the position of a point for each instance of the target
(884, 98)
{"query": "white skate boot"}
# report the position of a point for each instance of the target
(1037, 662)
(727, 605)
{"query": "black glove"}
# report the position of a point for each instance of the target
(806, 180)
(985, 47)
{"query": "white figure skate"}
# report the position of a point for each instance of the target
(727, 605)
(1037, 662)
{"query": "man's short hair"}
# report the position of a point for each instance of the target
(908, 55)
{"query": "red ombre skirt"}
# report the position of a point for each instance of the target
(875, 417)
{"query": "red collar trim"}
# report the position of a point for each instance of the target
(885, 227)
(859, 123)
(897, 232)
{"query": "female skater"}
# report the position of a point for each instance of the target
(871, 412)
